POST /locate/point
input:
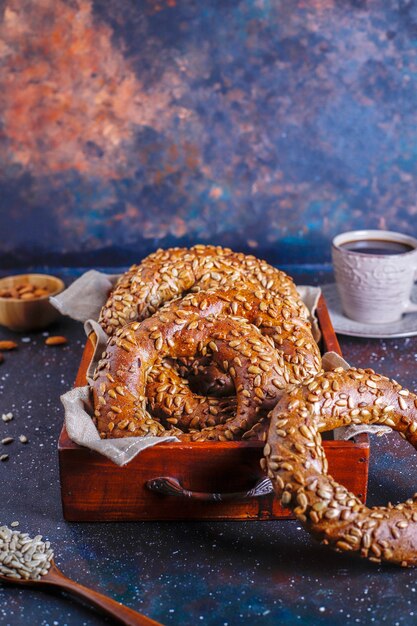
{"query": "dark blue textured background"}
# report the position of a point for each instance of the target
(263, 125)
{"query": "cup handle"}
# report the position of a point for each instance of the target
(411, 307)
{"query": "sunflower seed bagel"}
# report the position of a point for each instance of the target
(297, 466)
(168, 274)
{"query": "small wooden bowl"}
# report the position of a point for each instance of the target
(25, 315)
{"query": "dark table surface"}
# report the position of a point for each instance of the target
(208, 573)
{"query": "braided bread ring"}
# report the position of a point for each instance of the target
(121, 376)
(167, 274)
(298, 468)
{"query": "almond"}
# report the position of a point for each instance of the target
(40, 292)
(56, 340)
(25, 289)
(27, 295)
(7, 345)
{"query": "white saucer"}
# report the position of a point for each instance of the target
(405, 327)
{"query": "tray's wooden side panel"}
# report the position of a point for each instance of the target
(87, 355)
(93, 488)
(329, 339)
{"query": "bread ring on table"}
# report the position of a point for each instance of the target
(168, 274)
(298, 468)
(120, 380)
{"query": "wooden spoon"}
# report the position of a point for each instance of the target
(55, 578)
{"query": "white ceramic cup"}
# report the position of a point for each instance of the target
(375, 288)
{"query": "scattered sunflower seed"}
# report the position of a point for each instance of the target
(14, 524)
(4, 457)
(23, 439)
(6, 417)
(7, 440)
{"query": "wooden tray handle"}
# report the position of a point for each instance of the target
(169, 486)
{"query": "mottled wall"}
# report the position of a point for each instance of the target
(260, 124)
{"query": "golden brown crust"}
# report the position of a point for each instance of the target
(168, 274)
(298, 468)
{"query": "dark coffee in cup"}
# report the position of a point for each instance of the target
(377, 246)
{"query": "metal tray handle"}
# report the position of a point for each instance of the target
(169, 486)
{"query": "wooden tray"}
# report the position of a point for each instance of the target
(191, 481)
